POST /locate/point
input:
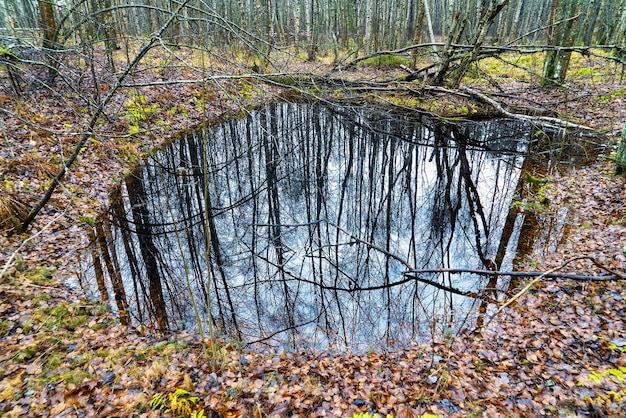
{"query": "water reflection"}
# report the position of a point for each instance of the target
(313, 215)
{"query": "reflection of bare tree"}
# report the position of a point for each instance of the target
(117, 212)
(138, 201)
(97, 265)
(272, 162)
(109, 255)
(315, 215)
(476, 210)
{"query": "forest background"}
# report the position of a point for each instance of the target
(91, 87)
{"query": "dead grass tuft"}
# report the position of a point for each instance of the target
(12, 212)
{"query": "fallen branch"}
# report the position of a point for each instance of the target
(576, 277)
(542, 121)
(354, 62)
(541, 276)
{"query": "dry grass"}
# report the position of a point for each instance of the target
(12, 212)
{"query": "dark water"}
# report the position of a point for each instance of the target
(314, 215)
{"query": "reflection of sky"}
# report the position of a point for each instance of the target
(347, 190)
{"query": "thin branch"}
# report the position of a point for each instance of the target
(369, 244)
(354, 62)
(357, 288)
(290, 328)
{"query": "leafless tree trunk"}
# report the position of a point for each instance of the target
(620, 168)
(563, 34)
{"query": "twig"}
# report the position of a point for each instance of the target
(290, 328)
(369, 244)
(542, 28)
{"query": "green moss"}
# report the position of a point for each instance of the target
(166, 347)
(102, 325)
(59, 312)
(496, 68)
(285, 80)
(387, 61)
(74, 322)
(584, 71)
(27, 326)
(52, 341)
(73, 376)
(87, 220)
(586, 225)
(40, 276)
(530, 60)
(404, 101)
(63, 315)
(82, 360)
(4, 327)
(26, 353)
(53, 361)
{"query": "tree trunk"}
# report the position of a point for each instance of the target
(109, 255)
(484, 24)
(562, 34)
(149, 252)
(296, 28)
(97, 266)
(48, 23)
(445, 57)
(49, 29)
(620, 168)
(309, 17)
(110, 34)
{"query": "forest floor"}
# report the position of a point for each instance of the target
(560, 350)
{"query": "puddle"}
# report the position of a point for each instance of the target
(314, 215)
